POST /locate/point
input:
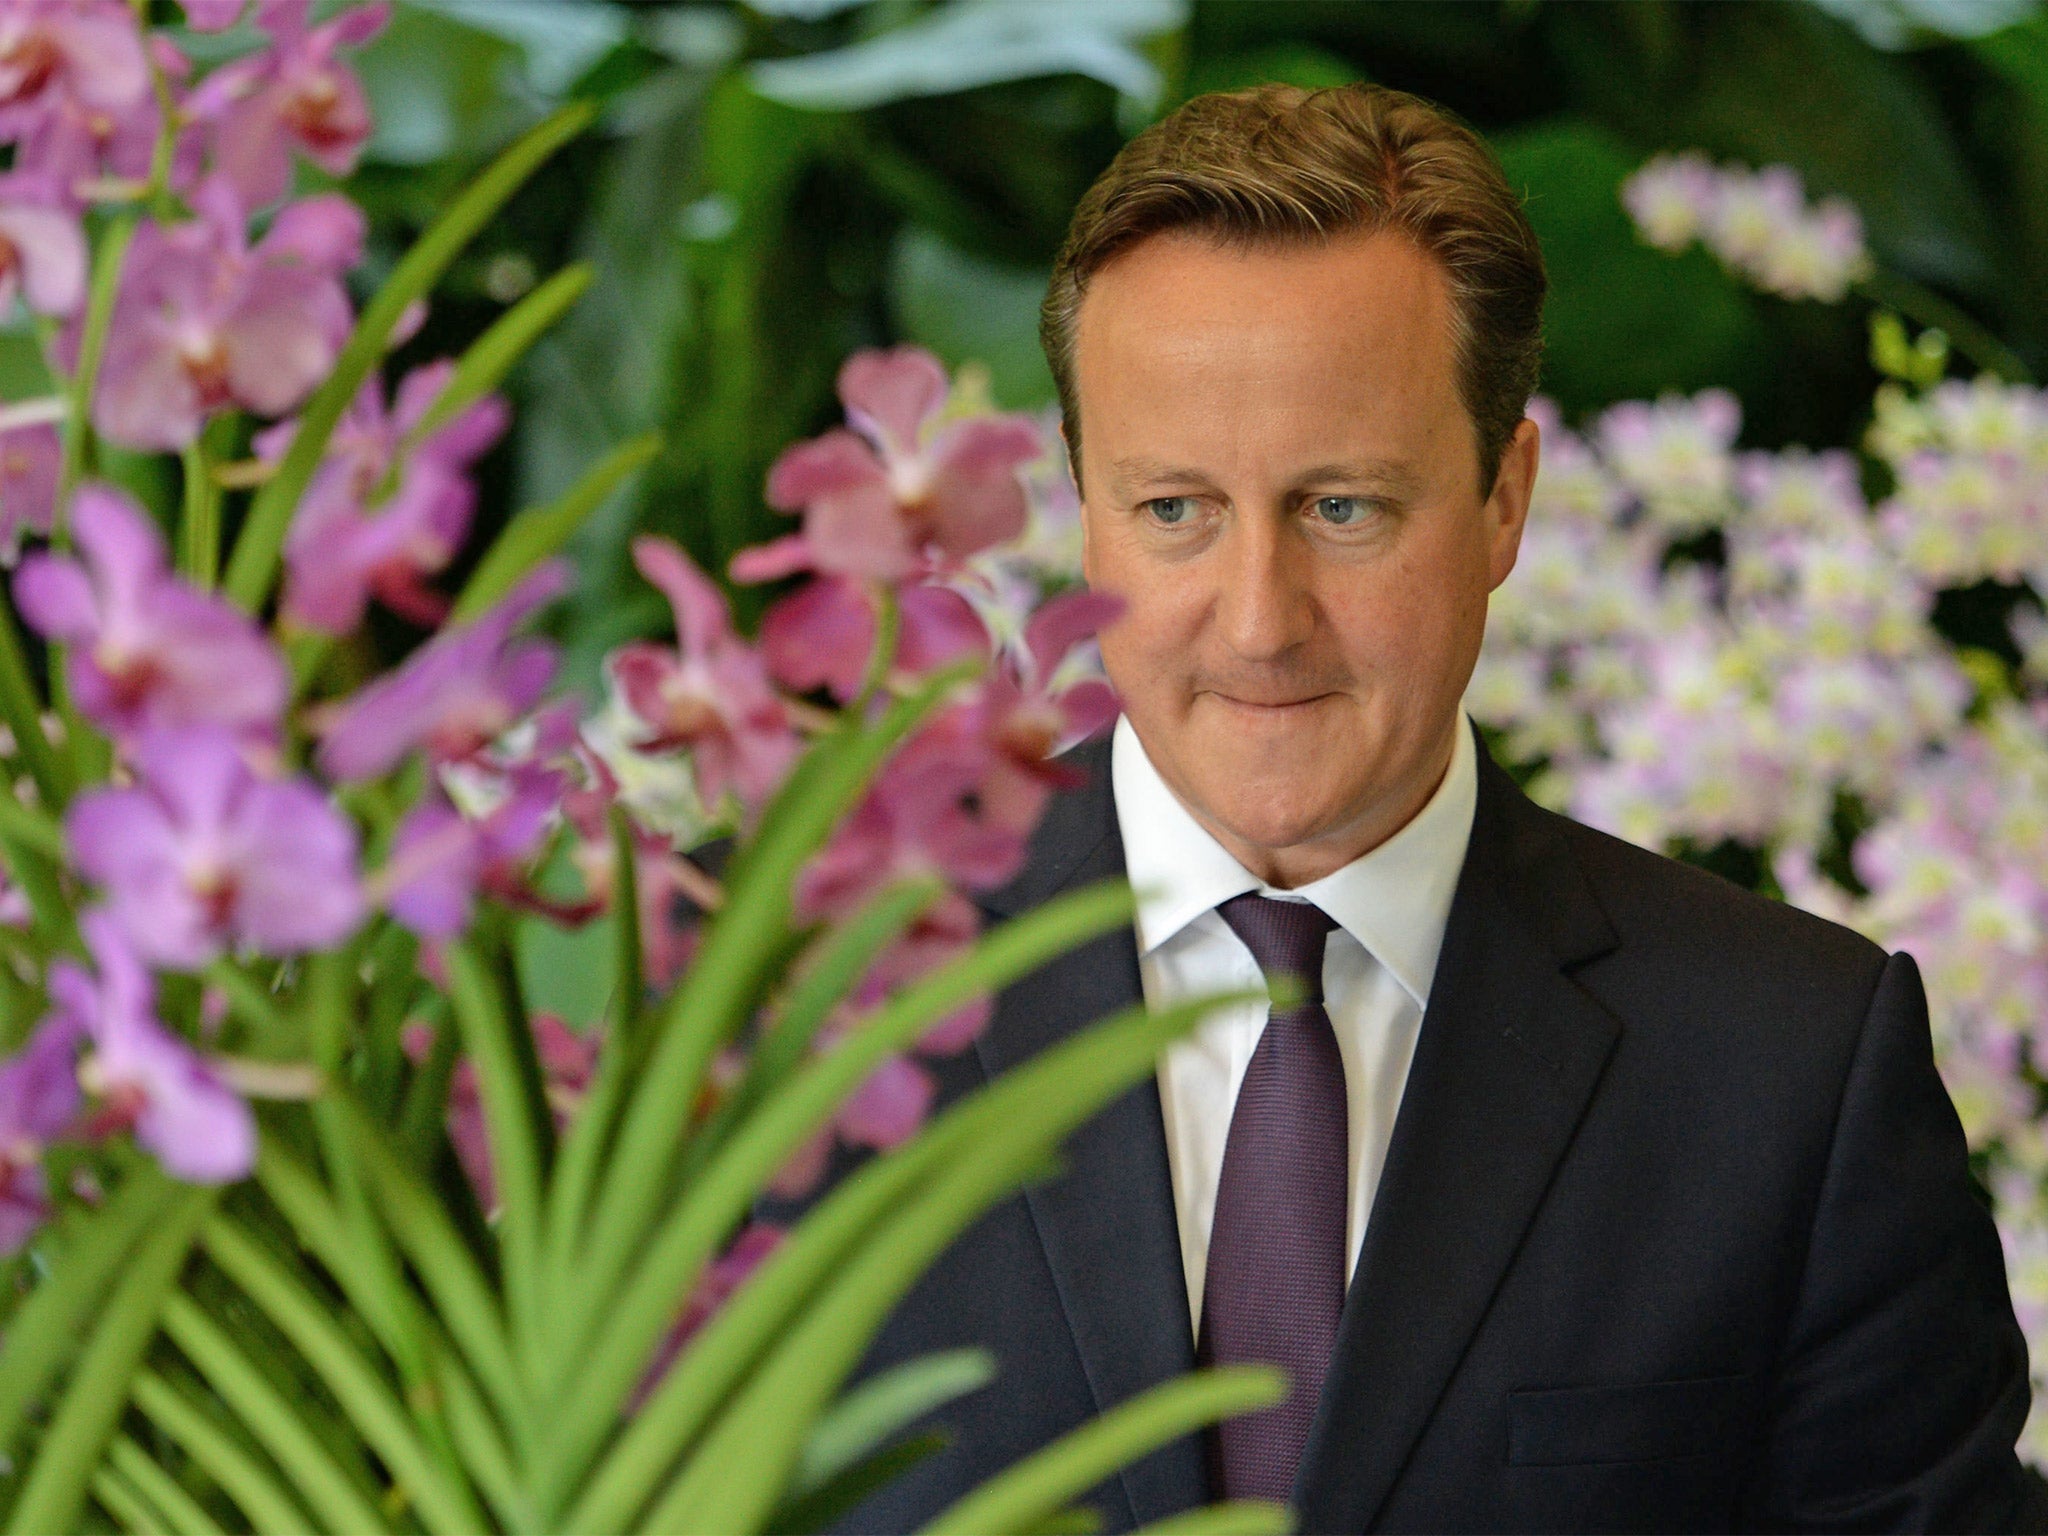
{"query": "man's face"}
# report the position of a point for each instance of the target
(1280, 479)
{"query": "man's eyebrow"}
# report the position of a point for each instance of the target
(1137, 469)
(1389, 474)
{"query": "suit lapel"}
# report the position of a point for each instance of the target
(1509, 1053)
(1107, 1224)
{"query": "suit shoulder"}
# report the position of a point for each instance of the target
(1662, 906)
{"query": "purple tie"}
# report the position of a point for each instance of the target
(1275, 1275)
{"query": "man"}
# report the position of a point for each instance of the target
(1577, 1189)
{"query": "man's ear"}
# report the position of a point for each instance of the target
(1507, 507)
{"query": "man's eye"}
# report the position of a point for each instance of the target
(1171, 510)
(1343, 511)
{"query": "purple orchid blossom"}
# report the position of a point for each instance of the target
(202, 854)
(204, 321)
(711, 695)
(86, 51)
(344, 545)
(147, 648)
(900, 489)
(42, 248)
(823, 634)
(441, 859)
(38, 1100)
(295, 93)
(454, 695)
(145, 1076)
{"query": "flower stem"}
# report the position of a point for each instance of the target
(99, 310)
(199, 527)
(1924, 307)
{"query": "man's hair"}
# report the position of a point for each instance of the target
(1277, 165)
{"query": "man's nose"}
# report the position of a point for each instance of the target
(1264, 607)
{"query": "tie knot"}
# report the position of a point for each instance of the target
(1285, 937)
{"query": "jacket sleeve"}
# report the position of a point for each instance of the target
(1902, 1383)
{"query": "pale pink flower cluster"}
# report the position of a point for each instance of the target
(1758, 222)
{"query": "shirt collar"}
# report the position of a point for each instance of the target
(1394, 900)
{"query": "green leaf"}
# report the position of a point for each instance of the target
(108, 261)
(98, 1389)
(444, 1501)
(263, 1501)
(516, 1120)
(482, 368)
(264, 1411)
(1036, 1488)
(741, 945)
(22, 708)
(254, 564)
(675, 1253)
(1245, 1517)
(824, 1505)
(736, 1473)
(467, 1305)
(629, 981)
(119, 1498)
(979, 42)
(538, 532)
(820, 983)
(181, 1513)
(41, 1336)
(877, 1409)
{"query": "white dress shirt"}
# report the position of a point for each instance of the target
(1390, 906)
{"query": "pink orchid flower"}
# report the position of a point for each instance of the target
(345, 545)
(203, 321)
(899, 489)
(146, 1077)
(823, 634)
(711, 695)
(89, 51)
(146, 647)
(202, 854)
(42, 249)
(295, 93)
(38, 1100)
(454, 695)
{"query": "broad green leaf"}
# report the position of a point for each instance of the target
(41, 1336)
(264, 1411)
(254, 564)
(444, 1500)
(263, 1501)
(539, 532)
(1032, 1491)
(98, 1390)
(979, 42)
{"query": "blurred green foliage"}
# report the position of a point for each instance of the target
(777, 184)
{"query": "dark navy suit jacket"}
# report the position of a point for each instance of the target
(1676, 1229)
